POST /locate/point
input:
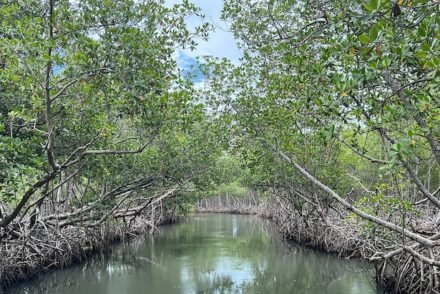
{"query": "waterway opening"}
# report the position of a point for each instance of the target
(210, 253)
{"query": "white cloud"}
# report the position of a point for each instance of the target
(221, 42)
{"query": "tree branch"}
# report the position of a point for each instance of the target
(420, 239)
(419, 116)
(82, 77)
(10, 217)
(48, 108)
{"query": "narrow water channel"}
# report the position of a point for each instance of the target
(210, 253)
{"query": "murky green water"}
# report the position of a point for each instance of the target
(210, 253)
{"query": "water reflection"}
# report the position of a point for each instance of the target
(210, 254)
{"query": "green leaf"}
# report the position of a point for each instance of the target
(373, 34)
(364, 38)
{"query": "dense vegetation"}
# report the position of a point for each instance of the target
(333, 110)
(336, 110)
(98, 128)
(92, 101)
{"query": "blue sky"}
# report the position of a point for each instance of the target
(189, 67)
(221, 42)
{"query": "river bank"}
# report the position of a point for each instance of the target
(309, 232)
(334, 233)
(50, 248)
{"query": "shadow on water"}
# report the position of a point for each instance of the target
(210, 253)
